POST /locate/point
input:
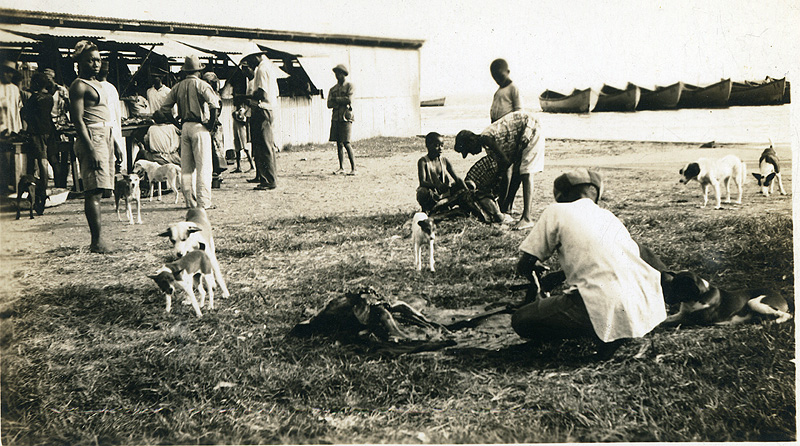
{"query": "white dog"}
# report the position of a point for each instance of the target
(712, 172)
(180, 274)
(769, 167)
(194, 233)
(422, 233)
(156, 173)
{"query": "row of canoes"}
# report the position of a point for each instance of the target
(678, 95)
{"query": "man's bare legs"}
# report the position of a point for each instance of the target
(91, 207)
(527, 198)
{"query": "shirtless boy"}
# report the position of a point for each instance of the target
(436, 174)
(94, 145)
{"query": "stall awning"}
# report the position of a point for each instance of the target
(8, 38)
(319, 72)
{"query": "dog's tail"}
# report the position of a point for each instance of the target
(771, 144)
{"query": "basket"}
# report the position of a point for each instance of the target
(483, 173)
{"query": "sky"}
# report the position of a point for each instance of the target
(549, 44)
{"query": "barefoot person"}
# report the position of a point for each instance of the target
(95, 146)
(515, 140)
(340, 98)
(613, 292)
(436, 174)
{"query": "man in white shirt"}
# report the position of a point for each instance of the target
(613, 293)
(115, 113)
(264, 108)
(157, 93)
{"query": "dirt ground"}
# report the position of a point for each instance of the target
(307, 188)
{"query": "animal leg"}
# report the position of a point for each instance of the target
(417, 257)
(761, 308)
(705, 195)
(780, 184)
(31, 198)
(138, 211)
(151, 191)
(169, 302)
(202, 292)
(129, 210)
(218, 275)
(159, 191)
(174, 186)
(728, 189)
(431, 252)
(209, 279)
(717, 192)
(19, 201)
(192, 298)
(116, 201)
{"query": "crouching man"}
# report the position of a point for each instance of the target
(612, 293)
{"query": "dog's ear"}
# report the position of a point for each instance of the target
(757, 176)
(769, 179)
(166, 233)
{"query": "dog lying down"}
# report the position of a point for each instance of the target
(365, 316)
(704, 304)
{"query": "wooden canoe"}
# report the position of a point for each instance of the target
(660, 98)
(579, 101)
(711, 96)
(613, 99)
(767, 92)
(438, 102)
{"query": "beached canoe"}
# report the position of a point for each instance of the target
(660, 98)
(438, 102)
(766, 92)
(579, 101)
(613, 99)
(711, 96)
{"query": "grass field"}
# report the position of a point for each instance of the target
(90, 357)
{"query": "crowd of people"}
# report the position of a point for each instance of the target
(614, 294)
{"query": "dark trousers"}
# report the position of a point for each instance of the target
(263, 146)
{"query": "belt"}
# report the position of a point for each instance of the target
(196, 121)
(100, 124)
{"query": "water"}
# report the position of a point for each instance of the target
(753, 125)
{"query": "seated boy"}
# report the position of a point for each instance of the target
(613, 294)
(436, 174)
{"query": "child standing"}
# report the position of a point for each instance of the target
(436, 174)
(506, 98)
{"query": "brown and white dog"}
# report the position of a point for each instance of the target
(422, 233)
(29, 184)
(194, 233)
(182, 273)
(704, 304)
(156, 173)
(769, 167)
(711, 172)
(126, 187)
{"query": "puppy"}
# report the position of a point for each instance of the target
(156, 173)
(29, 184)
(703, 304)
(710, 172)
(194, 234)
(769, 169)
(181, 274)
(422, 233)
(126, 187)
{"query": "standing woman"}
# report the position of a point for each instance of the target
(340, 99)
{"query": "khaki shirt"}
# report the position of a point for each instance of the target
(190, 94)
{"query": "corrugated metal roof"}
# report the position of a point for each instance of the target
(7, 38)
(94, 23)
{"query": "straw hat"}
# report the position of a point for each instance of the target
(192, 64)
(9, 65)
(341, 68)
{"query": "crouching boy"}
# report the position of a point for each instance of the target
(613, 294)
(436, 174)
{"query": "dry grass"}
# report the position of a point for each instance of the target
(89, 357)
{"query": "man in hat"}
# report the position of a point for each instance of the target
(10, 99)
(95, 146)
(613, 293)
(516, 144)
(263, 100)
(340, 98)
(191, 94)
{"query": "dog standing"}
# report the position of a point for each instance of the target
(422, 233)
(156, 173)
(703, 304)
(29, 184)
(126, 187)
(712, 172)
(181, 274)
(194, 233)
(769, 167)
